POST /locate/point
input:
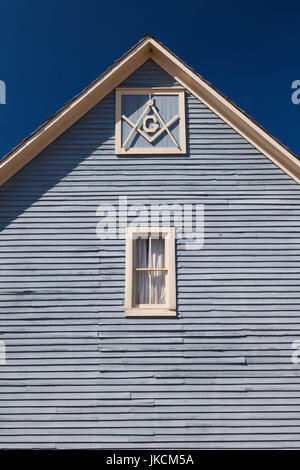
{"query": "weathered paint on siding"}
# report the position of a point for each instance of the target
(134, 105)
(80, 374)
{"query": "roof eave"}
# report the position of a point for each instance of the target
(73, 110)
(228, 111)
(147, 48)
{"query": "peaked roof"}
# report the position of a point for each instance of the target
(149, 48)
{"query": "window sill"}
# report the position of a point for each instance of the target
(150, 312)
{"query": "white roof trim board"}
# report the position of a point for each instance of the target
(149, 48)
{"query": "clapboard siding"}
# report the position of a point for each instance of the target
(80, 374)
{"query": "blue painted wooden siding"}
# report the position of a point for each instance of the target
(78, 373)
(134, 105)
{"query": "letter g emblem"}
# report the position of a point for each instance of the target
(154, 125)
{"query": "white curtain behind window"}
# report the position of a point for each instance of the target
(150, 286)
(141, 256)
(158, 277)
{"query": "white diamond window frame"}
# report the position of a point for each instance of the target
(180, 149)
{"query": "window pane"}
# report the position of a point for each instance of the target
(142, 287)
(158, 252)
(141, 252)
(158, 287)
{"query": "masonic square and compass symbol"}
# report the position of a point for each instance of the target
(150, 126)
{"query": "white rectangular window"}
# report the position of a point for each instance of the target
(150, 271)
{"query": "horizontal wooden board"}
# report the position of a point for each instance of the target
(81, 375)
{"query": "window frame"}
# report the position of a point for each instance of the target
(120, 150)
(167, 309)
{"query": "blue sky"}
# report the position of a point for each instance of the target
(51, 50)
